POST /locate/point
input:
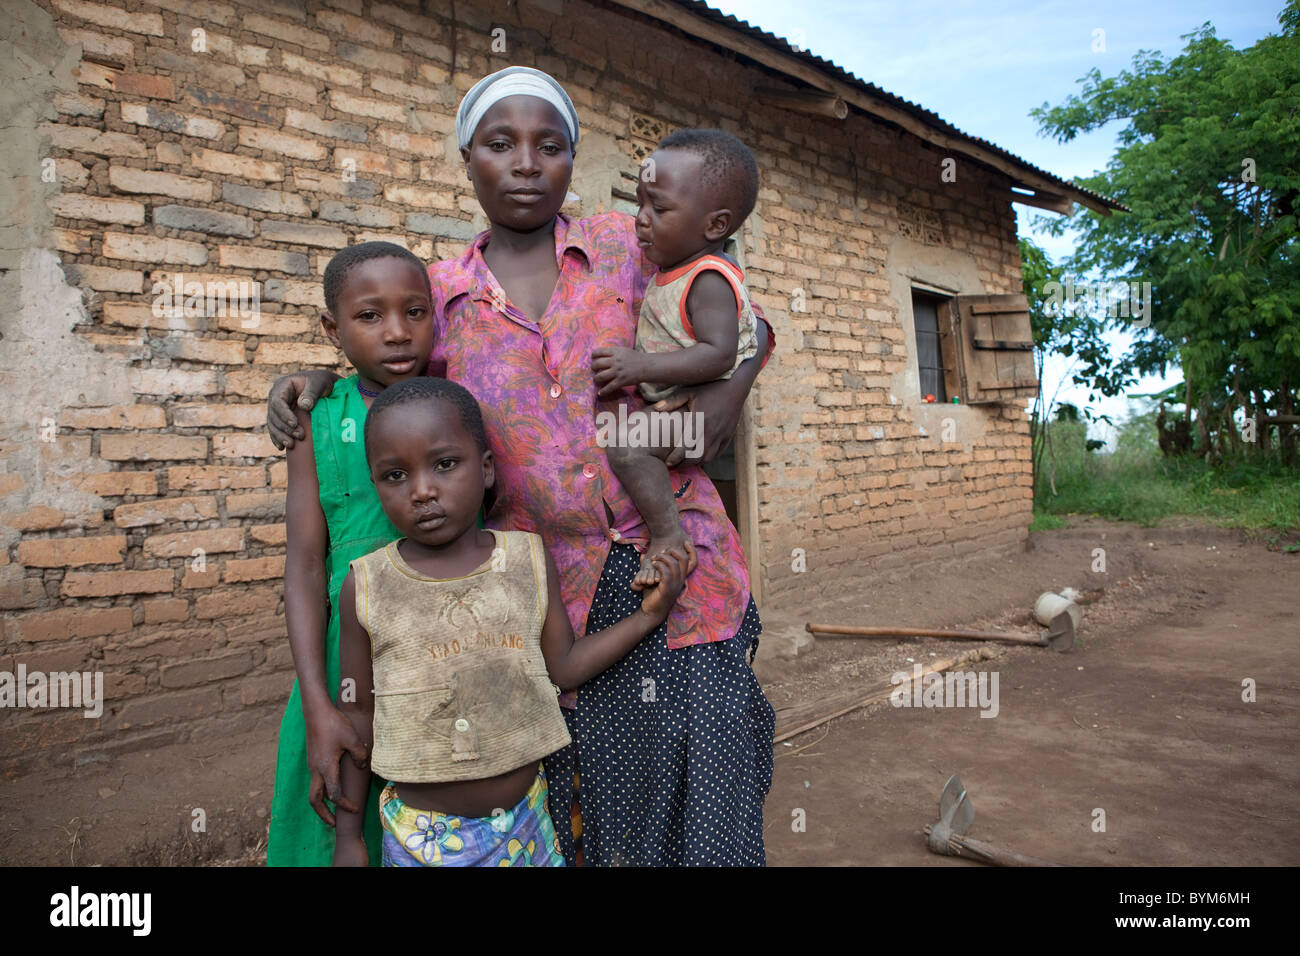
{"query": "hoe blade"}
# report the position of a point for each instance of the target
(955, 810)
(1060, 633)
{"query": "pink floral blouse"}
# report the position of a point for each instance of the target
(534, 383)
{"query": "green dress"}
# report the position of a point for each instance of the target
(357, 525)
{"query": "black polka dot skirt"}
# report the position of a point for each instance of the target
(673, 748)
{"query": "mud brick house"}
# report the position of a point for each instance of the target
(222, 150)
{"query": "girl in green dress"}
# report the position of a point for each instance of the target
(379, 312)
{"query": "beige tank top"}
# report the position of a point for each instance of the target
(665, 326)
(461, 688)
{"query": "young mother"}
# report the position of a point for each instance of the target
(672, 752)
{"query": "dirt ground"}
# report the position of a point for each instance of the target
(1143, 719)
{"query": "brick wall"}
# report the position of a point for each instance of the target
(294, 129)
(853, 468)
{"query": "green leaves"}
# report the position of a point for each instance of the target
(1069, 329)
(1209, 163)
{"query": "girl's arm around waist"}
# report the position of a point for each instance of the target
(571, 662)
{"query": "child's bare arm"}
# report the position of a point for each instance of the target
(306, 593)
(571, 663)
(305, 584)
(711, 305)
(357, 704)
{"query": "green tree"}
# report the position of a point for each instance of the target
(1070, 331)
(1209, 165)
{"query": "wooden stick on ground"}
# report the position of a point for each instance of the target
(804, 717)
(968, 848)
(1005, 637)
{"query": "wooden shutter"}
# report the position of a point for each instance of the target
(995, 348)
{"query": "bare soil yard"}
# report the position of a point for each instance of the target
(1143, 719)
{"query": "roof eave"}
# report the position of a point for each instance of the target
(1048, 191)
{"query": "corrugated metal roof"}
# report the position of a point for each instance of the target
(930, 118)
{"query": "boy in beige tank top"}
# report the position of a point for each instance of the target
(452, 641)
(696, 324)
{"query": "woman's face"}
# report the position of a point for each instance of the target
(520, 162)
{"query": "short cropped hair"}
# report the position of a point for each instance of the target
(336, 272)
(429, 390)
(730, 172)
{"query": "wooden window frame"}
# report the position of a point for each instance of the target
(995, 345)
(949, 357)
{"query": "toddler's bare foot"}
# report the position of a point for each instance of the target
(648, 575)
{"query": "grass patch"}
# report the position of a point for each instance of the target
(1046, 521)
(1135, 483)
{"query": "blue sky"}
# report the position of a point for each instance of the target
(983, 66)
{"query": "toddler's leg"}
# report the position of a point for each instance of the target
(644, 475)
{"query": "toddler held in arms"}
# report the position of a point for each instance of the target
(696, 324)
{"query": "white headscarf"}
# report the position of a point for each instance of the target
(513, 81)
